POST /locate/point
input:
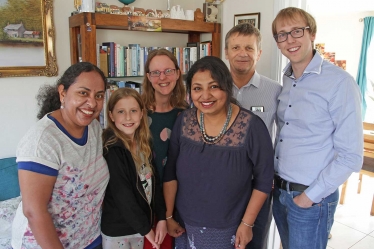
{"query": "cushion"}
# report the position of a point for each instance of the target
(8, 179)
(8, 210)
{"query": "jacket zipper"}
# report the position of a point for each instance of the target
(145, 198)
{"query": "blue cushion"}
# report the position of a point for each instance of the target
(8, 179)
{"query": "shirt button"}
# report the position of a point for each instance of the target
(281, 140)
(287, 123)
(277, 157)
(289, 105)
(294, 85)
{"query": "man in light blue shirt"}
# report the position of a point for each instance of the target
(320, 140)
(257, 93)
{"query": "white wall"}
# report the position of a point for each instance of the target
(18, 107)
(266, 9)
(342, 34)
(17, 95)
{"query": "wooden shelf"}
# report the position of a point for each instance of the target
(86, 24)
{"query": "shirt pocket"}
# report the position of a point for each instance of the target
(265, 116)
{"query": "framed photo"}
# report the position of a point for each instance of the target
(252, 18)
(27, 37)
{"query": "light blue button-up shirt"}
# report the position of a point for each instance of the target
(320, 142)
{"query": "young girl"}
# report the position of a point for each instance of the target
(164, 96)
(133, 195)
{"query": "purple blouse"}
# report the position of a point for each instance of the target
(215, 181)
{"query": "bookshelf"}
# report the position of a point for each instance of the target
(86, 25)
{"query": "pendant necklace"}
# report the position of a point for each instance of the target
(212, 140)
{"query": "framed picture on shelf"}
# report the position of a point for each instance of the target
(252, 18)
(27, 38)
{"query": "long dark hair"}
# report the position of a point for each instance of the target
(219, 72)
(48, 97)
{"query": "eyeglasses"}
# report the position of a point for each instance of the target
(296, 33)
(167, 72)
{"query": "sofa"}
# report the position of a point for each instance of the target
(9, 199)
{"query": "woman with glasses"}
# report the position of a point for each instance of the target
(164, 96)
(219, 152)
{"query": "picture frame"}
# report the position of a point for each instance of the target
(27, 40)
(253, 18)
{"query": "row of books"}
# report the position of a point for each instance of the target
(111, 87)
(116, 60)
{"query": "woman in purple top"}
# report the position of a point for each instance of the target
(216, 148)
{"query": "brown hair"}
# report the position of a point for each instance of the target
(291, 14)
(245, 29)
(178, 97)
(142, 134)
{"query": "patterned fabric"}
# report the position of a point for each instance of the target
(134, 241)
(235, 136)
(145, 176)
(206, 238)
(7, 212)
(215, 180)
(75, 203)
(161, 125)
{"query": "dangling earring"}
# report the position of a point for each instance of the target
(62, 105)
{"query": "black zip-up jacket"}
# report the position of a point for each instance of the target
(126, 210)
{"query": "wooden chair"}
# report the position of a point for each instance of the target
(368, 165)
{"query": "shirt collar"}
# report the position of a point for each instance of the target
(314, 66)
(255, 81)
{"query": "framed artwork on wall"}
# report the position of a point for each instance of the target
(252, 18)
(27, 37)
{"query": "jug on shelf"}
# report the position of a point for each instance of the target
(177, 12)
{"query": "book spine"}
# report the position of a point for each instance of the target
(129, 53)
(111, 58)
(202, 50)
(117, 63)
(181, 60)
(193, 55)
(104, 59)
(134, 59)
(141, 61)
(186, 59)
(209, 48)
(146, 51)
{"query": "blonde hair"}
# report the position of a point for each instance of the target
(178, 97)
(291, 14)
(142, 133)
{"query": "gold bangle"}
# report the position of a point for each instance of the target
(248, 224)
(171, 216)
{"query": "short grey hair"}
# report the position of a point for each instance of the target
(245, 29)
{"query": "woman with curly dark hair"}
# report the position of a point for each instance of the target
(62, 172)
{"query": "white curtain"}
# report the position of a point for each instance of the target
(278, 60)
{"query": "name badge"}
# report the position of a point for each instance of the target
(257, 108)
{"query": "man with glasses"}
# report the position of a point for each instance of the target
(320, 139)
(257, 93)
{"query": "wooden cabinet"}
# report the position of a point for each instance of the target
(86, 25)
